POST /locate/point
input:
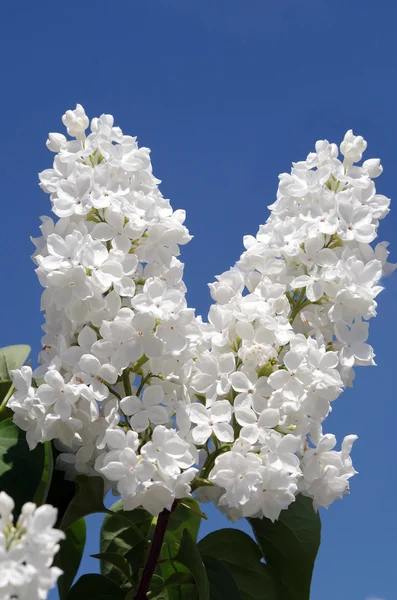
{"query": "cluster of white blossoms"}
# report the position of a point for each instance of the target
(134, 387)
(289, 323)
(27, 550)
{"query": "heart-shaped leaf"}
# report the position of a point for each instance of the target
(242, 557)
(21, 469)
(95, 587)
(290, 546)
(70, 555)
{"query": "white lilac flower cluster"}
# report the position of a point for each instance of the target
(137, 389)
(290, 321)
(27, 550)
(119, 339)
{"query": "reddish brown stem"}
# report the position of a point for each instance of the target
(154, 553)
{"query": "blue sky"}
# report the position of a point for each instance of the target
(226, 93)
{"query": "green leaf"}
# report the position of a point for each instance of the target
(11, 357)
(69, 556)
(87, 500)
(95, 587)
(44, 486)
(61, 490)
(20, 468)
(290, 546)
(189, 556)
(139, 518)
(242, 557)
(222, 584)
(180, 584)
(185, 517)
(136, 557)
(124, 532)
(116, 560)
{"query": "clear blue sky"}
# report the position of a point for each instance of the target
(226, 93)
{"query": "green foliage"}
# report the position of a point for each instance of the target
(95, 587)
(61, 490)
(241, 557)
(11, 357)
(185, 516)
(21, 469)
(189, 556)
(290, 546)
(69, 556)
(116, 560)
(222, 584)
(46, 476)
(88, 499)
(124, 532)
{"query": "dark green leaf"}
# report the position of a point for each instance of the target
(44, 486)
(222, 584)
(183, 517)
(61, 490)
(116, 560)
(290, 546)
(95, 587)
(20, 468)
(189, 556)
(123, 532)
(139, 518)
(87, 500)
(158, 594)
(136, 557)
(242, 557)
(69, 556)
(178, 583)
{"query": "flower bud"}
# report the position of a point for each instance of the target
(353, 147)
(55, 142)
(373, 167)
(76, 122)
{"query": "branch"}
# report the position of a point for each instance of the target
(154, 553)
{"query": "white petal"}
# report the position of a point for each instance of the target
(240, 382)
(115, 438)
(90, 364)
(292, 360)
(278, 379)
(224, 432)
(114, 471)
(140, 421)
(201, 433)
(270, 417)
(152, 395)
(130, 405)
(300, 282)
(315, 290)
(250, 433)
(221, 411)
(227, 363)
(198, 413)
(152, 346)
(103, 231)
(86, 338)
(329, 361)
(158, 415)
(245, 416)
(56, 245)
